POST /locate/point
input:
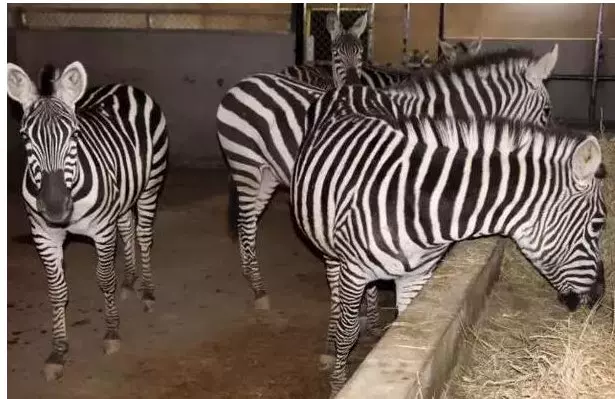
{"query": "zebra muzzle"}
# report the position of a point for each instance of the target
(574, 300)
(54, 200)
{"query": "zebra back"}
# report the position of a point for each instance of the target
(314, 75)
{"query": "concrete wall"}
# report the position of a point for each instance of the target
(187, 72)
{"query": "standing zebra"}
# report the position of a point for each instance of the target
(346, 57)
(260, 125)
(383, 196)
(94, 160)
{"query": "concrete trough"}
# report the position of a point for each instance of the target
(416, 355)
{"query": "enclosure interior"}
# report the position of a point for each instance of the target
(187, 56)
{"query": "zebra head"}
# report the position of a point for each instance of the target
(346, 49)
(519, 86)
(538, 99)
(452, 53)
(565, 243)
(49, 129)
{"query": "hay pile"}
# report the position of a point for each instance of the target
(529, 346)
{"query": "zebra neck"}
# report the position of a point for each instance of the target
(474, 197)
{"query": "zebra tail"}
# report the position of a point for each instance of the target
(233, 209)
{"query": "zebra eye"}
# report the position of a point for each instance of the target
(597, 226)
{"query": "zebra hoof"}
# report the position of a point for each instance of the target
(148, 305)
(53, 371)
(126, 292)
(148, 300)
(111, 346)
(262, 303)
(326, 362)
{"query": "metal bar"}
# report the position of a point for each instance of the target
(297, 23)
(584, 78)
(406, 32)
(309, 38)
(441, 29)
(337, 9)
(594, 89)
(370, 31)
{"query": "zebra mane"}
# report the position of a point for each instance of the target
(510, 55)
(502, 135)
(47, 76)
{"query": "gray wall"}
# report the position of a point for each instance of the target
(575, 57)
(187, 72)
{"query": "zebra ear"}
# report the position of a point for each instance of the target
(20, 87)
(586, 159)
(333, 25)
(475, 46)
(541, 69)
(359, 26)
(71, 85)
(447, 49)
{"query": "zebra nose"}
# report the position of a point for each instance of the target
(571, 299)
(54, 201)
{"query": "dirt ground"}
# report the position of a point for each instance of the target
(204, 340)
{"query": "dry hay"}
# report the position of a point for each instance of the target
(529, 346)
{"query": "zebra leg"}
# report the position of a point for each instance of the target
(49, 248)
(107, 282)
(347, 330)
(327, 359)
(372, 311)
(252, 203)
(407, 288)
(147, 205)
(126, 228)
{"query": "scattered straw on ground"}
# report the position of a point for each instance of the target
(529, 346)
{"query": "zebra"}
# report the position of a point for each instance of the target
(384, 195)
(454, 52)
(96, 161)
(381, 77)
(346, 57)
(260, 128)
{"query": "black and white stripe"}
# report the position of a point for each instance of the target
(383, 196)
(260, 126)
(96, 162)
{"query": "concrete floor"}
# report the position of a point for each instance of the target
(204, 339)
